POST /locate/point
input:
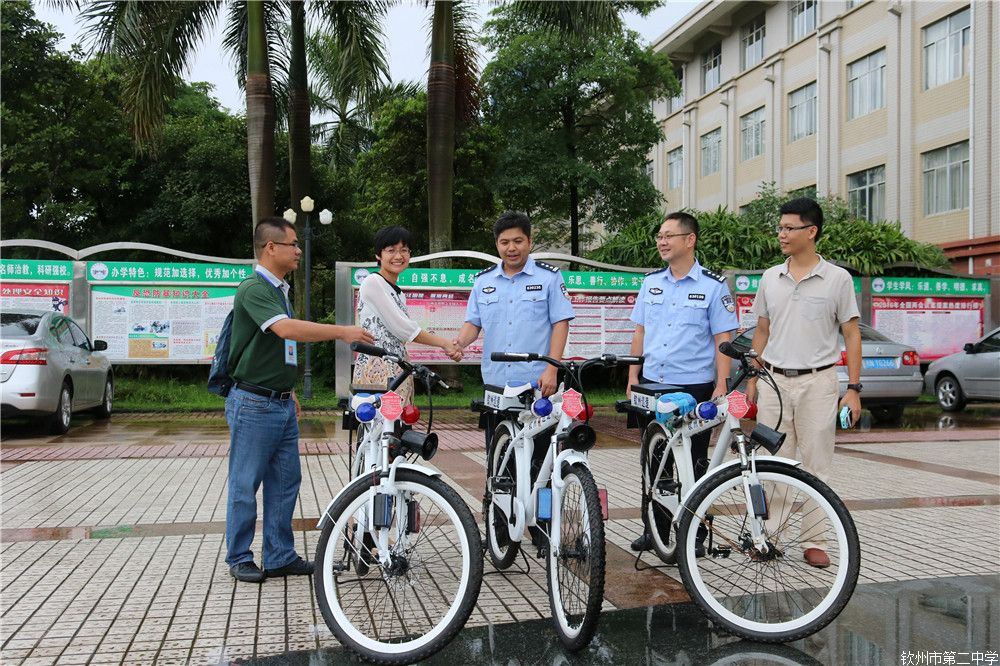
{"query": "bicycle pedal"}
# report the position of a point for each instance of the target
(722, 552)
(668, 486)
(502, 484)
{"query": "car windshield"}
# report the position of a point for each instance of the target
(18, 325)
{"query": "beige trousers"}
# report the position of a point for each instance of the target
(810, 409)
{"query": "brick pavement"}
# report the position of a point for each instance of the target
(112, 548)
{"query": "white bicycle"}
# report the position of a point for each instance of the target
(399, 560)
(738, 533)
(553, 496)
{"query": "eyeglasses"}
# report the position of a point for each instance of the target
(402, 252)
(294, 244)
(781, 229)
(663, 237)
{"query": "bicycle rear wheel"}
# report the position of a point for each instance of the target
(656, 518)
(502, 550)
(576, 571)
(408, 609)
(773, 596)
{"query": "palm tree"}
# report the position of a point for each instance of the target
(452, 91)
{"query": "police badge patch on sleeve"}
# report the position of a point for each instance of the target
(727, 302)
(565, 291)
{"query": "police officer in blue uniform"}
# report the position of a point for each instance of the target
(682, 313)
(520, 305)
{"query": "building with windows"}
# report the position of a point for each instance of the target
(890, 104)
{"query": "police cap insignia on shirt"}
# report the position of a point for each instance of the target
(489, 290)
(655, 291)
(718, 277)
(548, 267)
(727, 302)
(696, 297)
(532, 287)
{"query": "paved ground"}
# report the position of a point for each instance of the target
(112, 540)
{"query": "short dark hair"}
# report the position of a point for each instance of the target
(389, 236)
(686, 221)
(269, 229)
(807, 210)
(512, 219)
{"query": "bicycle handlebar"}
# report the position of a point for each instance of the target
(370, 350)
(407, 367)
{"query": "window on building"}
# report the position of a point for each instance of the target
(676, 103)
(946, 49)
(866, 193)
(675, 168)
(752, 134)
(650, 172)
(752, 42)
(803, 18)
(809, 191)
(946, 178)
(711, 69)
(711, 152)
(802, 112)
(866, 85)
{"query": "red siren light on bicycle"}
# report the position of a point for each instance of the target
(411, 414)
(589, 411)
(365, 412)
(541, 407)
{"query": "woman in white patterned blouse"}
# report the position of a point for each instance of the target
(382, 312)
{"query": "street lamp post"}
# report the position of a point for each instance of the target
(325, 218)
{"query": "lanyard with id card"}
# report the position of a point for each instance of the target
(291, 348)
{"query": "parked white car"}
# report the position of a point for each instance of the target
(967, 376)
(50, 368)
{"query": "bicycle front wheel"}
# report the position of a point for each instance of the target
(576, 571)
(774, 595)
(411, 606)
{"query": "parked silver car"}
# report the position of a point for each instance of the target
(49, 367)
(890, 373)
(969, 375)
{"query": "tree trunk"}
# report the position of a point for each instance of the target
(441, 127)
(299, 166)
(569, 127)
(260, 117)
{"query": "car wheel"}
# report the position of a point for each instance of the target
(887, 414)
(59, 421)
(104, 410)
(949, 394)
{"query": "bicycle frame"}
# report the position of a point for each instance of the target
(524, 502)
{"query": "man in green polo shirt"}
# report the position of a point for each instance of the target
(262, 410)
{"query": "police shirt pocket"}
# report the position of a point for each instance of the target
(489, 306)
(534, 304)
(694, 312)
(653, 301)
(815, 308)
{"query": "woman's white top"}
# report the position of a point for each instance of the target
(382, 312)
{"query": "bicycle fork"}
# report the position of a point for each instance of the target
(753, 494)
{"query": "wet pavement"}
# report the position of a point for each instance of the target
(111, 551)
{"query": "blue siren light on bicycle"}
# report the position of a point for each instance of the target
(673, 404)
(707, 410)
(541, 407)
(365, 412)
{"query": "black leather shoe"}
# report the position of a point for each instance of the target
(297, 567)
(248, 572)
(644, 542)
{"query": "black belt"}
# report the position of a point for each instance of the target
(266, 392)
(795, 373)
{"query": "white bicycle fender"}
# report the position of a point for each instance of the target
(768, 459)
(416, 468)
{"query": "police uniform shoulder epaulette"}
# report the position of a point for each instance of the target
(658, 270)
(484, 271)
(548, 267)
(718, 277)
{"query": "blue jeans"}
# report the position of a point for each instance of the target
(263, 448)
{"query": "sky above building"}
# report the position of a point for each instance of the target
(406, 30)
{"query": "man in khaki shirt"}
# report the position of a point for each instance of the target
(801, 304)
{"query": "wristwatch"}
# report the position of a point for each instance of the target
(856, 387)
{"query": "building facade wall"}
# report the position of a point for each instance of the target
(910, 122)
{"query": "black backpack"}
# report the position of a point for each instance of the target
(219, 381)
